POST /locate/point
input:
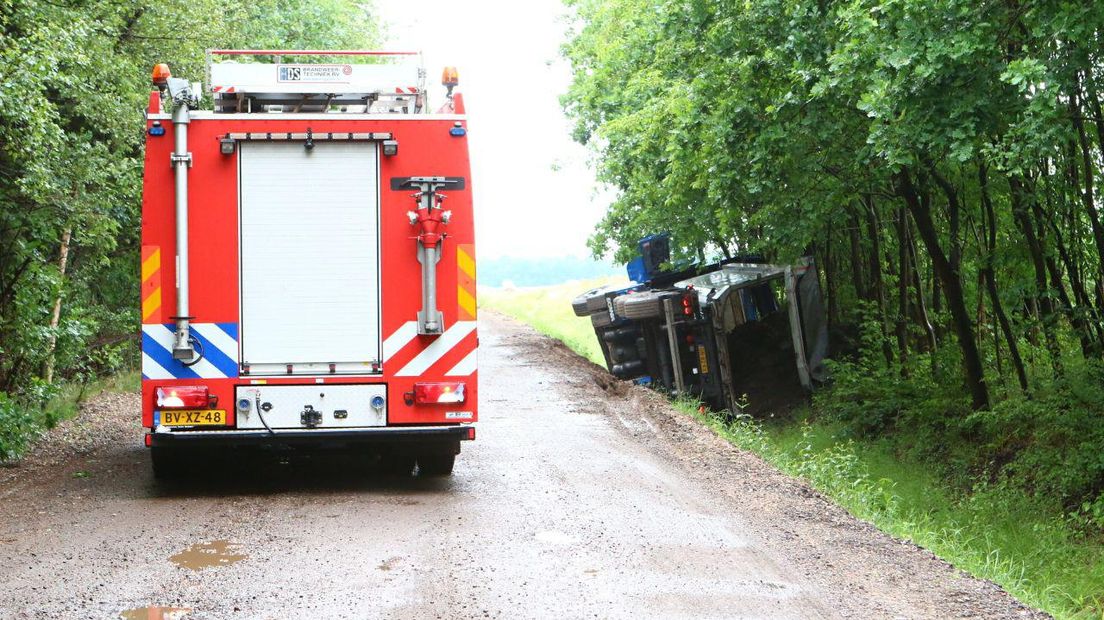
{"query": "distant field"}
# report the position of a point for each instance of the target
(548, 309)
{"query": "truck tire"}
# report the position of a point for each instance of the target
(167, 463)
(579, 304)
(600, 319)
(590, 302)
(645, 305)
(436, 464)
(623, 353)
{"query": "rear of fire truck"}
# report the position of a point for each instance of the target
(308, 272)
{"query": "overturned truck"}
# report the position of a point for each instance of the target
(740, 335)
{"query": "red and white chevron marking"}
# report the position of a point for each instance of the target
(433, 353)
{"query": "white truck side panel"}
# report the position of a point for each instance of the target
(341, 406)
(314, 78)
(310, 266)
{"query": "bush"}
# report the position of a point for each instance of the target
(17, 427)
(1049, 445)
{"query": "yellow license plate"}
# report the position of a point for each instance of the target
(194, 417)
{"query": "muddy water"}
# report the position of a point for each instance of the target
(574, 502)
(206, 555)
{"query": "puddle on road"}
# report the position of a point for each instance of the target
(206, 555)
(155, 612)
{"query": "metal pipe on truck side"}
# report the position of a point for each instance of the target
(181, 160)
(430, 317)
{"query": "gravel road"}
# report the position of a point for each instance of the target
(581, 498)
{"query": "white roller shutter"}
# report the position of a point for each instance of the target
(309, 256)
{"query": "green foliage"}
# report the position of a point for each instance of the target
(74, 78)
(942, 161)
(802, 126)
(1047, 447)
(17, 427)
(941, 158)
(994, 531)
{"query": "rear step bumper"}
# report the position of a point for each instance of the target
(313, 438)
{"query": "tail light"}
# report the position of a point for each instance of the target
(183, 397)
(438, 393)
(687, 308)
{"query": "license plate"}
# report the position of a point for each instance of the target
(194, 417)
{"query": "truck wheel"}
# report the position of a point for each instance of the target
(167, 463)
(579, 304)
(600, 319)
(590, 302)
(639, 305)
(438, 464)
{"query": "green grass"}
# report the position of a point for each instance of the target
(21, 423)
(548, 309)
(66, 403)
(993, 532)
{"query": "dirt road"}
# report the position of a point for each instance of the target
(577, 500)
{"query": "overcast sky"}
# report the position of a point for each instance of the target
(533, 189)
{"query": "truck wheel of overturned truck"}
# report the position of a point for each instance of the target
(436, 464)
(168, 464)
(639, 305)
(590, 302)
(600, 319)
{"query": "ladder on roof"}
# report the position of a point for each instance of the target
(396, 87)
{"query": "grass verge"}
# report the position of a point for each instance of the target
(20, 423)
(991, 531)
(548, 309)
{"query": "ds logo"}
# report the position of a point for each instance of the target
(290, 74)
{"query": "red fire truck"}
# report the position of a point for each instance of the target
(308, 272)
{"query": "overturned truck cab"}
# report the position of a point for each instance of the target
(741, 336)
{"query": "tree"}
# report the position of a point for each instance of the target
(784, 125)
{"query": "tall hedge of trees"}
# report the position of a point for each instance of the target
(74, 84)
(940, 158)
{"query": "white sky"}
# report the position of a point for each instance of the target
(534, 191)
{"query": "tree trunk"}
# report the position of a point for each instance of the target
(55, 318)
(856, 257)
(1085, 316)
(903, 278)
(952, 286)
(875, 258)
(1035, 249)
(1087, 175)
(918, 285)
(830, 279)
(990, 224)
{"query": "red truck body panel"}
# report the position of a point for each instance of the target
(427, 147)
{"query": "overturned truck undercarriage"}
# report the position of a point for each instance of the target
(740, 336)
